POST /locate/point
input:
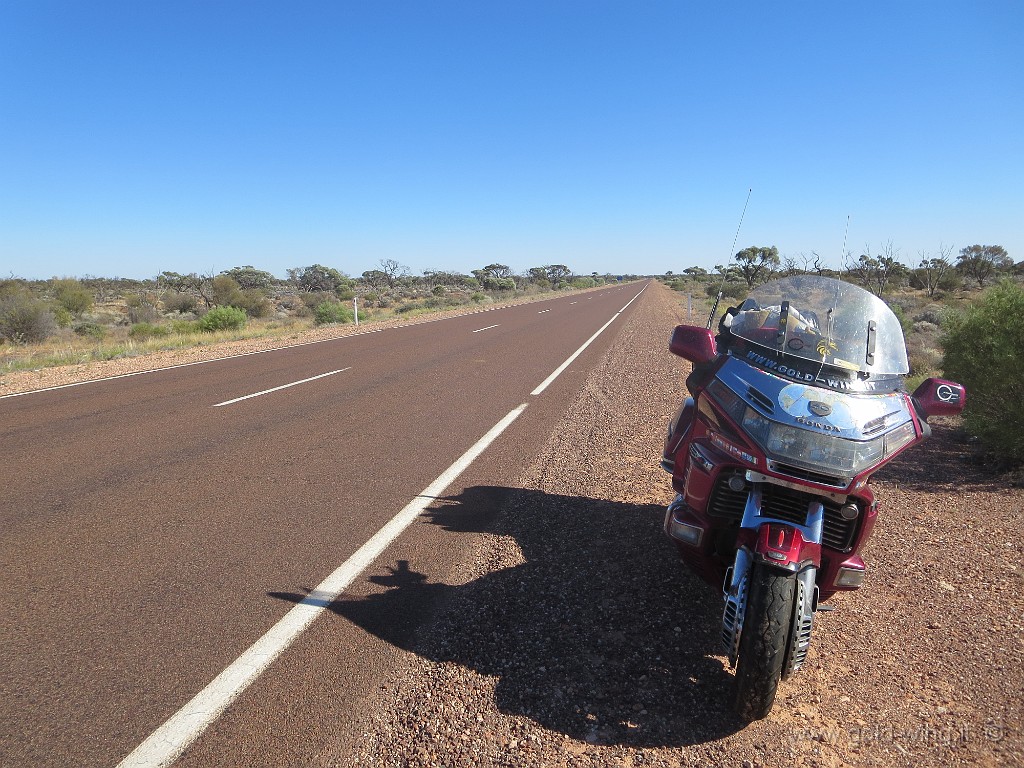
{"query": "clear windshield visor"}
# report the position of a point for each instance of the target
(826, 321)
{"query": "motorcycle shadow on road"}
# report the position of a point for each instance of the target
(598, 632)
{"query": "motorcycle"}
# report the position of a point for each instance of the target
(793, 406)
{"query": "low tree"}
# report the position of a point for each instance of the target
(983, 262)
(697, 273)
(499, 271)
(193, 283)
(318, 278)
(932, 270)
(393, 271)
(557, 274)
(248, 277)
(376, 279)
(879, 275)
(756, 264)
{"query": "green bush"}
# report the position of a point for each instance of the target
(62, 316)
(984, 351)
(179, 302)
(72, 295)
(222, 319)
(143, 331)
(332, 312)
(91, 330)
(184, 327)
(409, 306)
(254, 302)
(735, 292)
(905, 322)
(25, 320)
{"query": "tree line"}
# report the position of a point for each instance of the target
(880, 272)
(31, 311)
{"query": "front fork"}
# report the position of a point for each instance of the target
(782, 545)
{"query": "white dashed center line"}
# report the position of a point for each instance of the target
(283, 386)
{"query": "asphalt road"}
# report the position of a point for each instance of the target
(154, 527)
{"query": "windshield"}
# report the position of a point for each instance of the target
(825, 321)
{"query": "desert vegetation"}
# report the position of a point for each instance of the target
(69, 320)
(963, 319)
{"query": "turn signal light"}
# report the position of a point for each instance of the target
(688, 534)
(850, 578)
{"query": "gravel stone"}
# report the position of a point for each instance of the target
(578, 639)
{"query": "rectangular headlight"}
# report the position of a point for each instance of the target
(826, 451)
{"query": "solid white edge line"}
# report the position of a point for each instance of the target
(558, 371)
(167, 742)
(283, 386)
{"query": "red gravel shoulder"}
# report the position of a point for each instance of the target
(583, 641)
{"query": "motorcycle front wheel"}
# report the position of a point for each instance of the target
(767, 626)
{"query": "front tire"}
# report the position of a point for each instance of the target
(767, 626)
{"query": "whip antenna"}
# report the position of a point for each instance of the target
(718, 299)
(845, 235)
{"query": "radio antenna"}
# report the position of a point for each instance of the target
(845, 236)
(718, 299)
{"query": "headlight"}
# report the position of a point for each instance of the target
(814, 450)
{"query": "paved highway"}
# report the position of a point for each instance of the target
(155, 527)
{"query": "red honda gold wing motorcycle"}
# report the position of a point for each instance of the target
(794, 405)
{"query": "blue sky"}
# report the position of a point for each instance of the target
(137, 136)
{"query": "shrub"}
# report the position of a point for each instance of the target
(141, 308)
(933, 313)
(905, 323)
(25, 320)
(735, 292)
(477, 297)
(984, 347)
(253, 302)
(179, 302)
(332, 312)
(143, 331)
(408, 307)
(72, 295)
(184, 327)
(222, 319)
(62, 316)
(91, 330)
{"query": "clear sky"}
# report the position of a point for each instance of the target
(185, 135)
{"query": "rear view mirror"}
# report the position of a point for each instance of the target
(692, 343)
(939, 397)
